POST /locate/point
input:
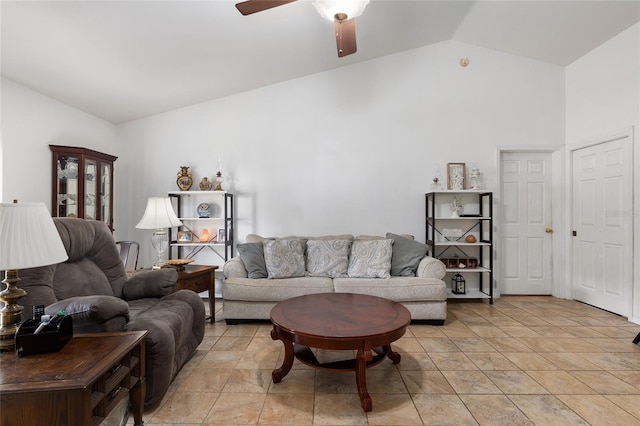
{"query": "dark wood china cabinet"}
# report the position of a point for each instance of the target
(82, 183)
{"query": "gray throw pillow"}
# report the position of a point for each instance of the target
(407, 255)
(284, 258)
(370, 259)
(328, 258)
(252, 255)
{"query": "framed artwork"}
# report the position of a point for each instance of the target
(185, 237)
(456, 175)
(222, 235)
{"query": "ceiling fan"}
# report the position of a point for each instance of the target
(341, 12)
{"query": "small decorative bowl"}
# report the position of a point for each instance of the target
(179, 264)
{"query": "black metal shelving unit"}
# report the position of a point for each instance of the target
(188, 250)
(460, 256)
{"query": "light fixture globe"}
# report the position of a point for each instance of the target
(340, 9)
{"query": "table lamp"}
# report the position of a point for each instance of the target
(28, 238)
(159, 215)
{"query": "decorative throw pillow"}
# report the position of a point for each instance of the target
(370, 259)
(328, 258)
(407, 255)
(252, 255)
(284, 258)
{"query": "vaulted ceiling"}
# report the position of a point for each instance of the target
(122, 60)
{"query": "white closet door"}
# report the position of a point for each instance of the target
(602, 209)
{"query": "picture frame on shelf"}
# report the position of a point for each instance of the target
(222, 235)
(184, 237)
(456, 176)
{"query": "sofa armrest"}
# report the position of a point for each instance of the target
(88, 311)
(430, 267)
(154, 283)
(234, 268)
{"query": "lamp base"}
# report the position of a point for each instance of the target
(11, 313)
(160, 242)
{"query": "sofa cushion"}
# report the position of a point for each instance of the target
(38, 283)
(284, 258)
(406, 255)
(153, 283)
(370, 259)
(328, 258)
(398, 289)
(274, 290)
(252, 256)
(81, 278)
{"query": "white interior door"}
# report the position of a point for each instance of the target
(526, 228)
(602, 208)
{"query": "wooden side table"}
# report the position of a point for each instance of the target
(200, 278)
(78, 385)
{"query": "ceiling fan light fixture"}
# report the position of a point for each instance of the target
(340, 10)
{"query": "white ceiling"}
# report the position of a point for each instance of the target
(122, 60)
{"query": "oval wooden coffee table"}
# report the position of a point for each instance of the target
(339, 321)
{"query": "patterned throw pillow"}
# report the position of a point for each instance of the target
(328, 258)
(370, 259)
(284, 258)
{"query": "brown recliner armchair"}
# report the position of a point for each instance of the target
(94, 289)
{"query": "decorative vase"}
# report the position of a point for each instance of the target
(475, 179)
(205, 184)
(185, 180)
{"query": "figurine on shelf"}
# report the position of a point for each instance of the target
(475, 179)
(455, 207)
(435, 185)
(185, 180)
(205, 184)
(437, 177)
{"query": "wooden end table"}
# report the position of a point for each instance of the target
(339, 321)
(200, 278)
(78, 385)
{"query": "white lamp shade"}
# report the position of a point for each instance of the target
(28, 237)
(158, 214)
(329, 8)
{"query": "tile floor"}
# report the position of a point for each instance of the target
(523, 361)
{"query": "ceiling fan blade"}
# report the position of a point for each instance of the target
(252, 6)
(345, 37)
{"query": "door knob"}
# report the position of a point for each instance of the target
(549, 231)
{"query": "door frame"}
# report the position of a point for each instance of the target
(559, 287)
(634, 311)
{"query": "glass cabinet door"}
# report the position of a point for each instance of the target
(105, 193)
(82, 183)
(90, 177)
(67, 184)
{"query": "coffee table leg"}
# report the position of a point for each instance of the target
(361, 378)
(278, 374)
(393, 356)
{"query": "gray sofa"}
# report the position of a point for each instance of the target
(93, 287)
(250, 290)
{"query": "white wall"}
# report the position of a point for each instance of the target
(350, 150)
(603, 98)
(30, 122)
